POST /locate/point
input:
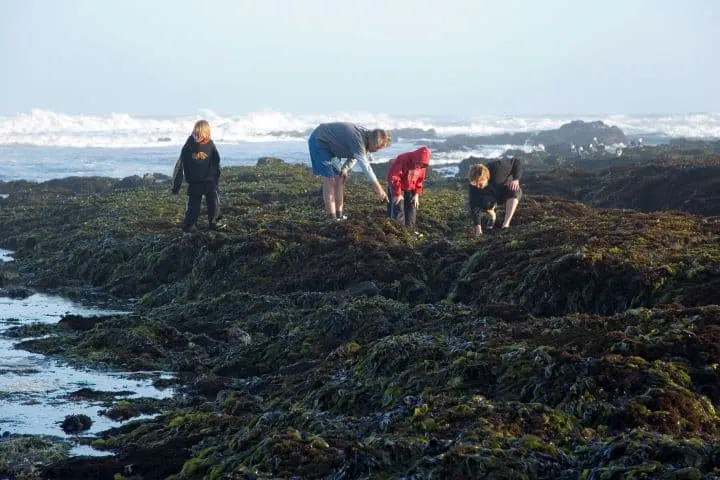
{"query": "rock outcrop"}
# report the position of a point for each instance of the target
(580, 343)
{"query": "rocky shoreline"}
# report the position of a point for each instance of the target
(581, 343)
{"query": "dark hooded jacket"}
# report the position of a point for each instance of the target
(504, 171)
(199, 164)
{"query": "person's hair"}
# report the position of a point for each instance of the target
(201, 131)
(477, 173)
(379, 138)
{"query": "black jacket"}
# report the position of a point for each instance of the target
(502, 172)
(198, 163)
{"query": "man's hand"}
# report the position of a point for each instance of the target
(397, 200)
(416, 200)
(343, 175)
(381, 192)
(515, 185)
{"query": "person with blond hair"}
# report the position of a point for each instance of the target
(335, 148)
(199, 164)
(494, 183)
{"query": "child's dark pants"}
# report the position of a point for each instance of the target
(195, 193)
(405, 213)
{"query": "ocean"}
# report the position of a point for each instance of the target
(42, 145)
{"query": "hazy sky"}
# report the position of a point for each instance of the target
(464, 57)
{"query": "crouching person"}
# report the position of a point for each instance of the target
(405, 185)
(498, 182)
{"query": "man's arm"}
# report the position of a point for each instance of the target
(364, 160)
(517, 169)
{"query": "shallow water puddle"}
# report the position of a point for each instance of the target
(33, 387)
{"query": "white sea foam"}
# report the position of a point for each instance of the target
(484, 151)
(120, 130)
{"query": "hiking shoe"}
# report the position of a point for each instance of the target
(341, 218)
(418, 234)
(218, 225)
(189, 230)
(489, 224)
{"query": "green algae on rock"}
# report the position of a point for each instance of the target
(581, 343)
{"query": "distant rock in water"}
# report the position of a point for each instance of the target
(293, 133)
(164, 139)
(80, 185)
(135, 181)
(16, 292)
(268, 161)
(531, 161)
(413, 133)
(576, 132)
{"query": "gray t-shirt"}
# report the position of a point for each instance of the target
(349, 141)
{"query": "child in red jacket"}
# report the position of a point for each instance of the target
(405, 184)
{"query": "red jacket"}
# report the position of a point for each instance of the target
(404, 173)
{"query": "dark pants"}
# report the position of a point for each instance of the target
(405, 213)
(195, 193)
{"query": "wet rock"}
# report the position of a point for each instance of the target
(20, 455)
(85, 394)
(79, 322)
(15, 292)
(644, 188)
(270, 161)
(76, 423)
(84, 467)
(10, 276)
(127, 409)
(134, 181)
(363, 288)
(580, 343)
(239, 336)
(80, 185)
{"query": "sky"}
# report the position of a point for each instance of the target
(401, 57)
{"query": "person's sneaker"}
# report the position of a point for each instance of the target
(418, 234)
(189, 230)
(489, 224)
(217, 225)
(341, 218)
